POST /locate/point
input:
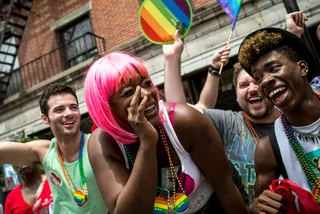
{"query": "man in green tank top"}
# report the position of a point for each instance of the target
(65, 158)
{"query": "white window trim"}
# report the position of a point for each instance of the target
(71, 17)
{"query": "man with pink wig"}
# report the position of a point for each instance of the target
(151, 156)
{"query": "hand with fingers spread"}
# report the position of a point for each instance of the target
(136, 118)
(173, 50)
(295, 22)
(268, 202)
(221, 57)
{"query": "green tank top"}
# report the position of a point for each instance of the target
(62, 196)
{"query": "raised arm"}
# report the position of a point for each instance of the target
(173, 86)
(266, 170)
(122, 191)
(210, 90)
(23, 153)
(295, 22)
(198, 134)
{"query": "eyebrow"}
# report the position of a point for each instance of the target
(267, 64)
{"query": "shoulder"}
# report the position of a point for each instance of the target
(217, 113)
(15, 192)
(40, 147)
(102, 146)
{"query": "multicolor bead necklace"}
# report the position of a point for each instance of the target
(79, 196)
(307, 165)
(179, 202)
(252, 131)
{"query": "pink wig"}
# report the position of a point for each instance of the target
(104, 79)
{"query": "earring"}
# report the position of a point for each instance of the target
(305, 72)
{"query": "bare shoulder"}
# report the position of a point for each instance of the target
(187, 113)
(191, 126)
(102, 147)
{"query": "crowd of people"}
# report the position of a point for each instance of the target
(152, 155)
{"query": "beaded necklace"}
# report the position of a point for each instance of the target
(79, 196)
(307, 165)
(252, 131)
(179, 202)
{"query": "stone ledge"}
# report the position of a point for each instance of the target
(74, 72)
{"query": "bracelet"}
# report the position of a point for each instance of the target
(213, 71)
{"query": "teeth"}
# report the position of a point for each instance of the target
(149, 108)
(254, 98)
(272, 93)
(68, 123)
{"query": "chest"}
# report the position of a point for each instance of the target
(31, 195)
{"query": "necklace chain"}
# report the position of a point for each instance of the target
(172, 169)
(252, 131)
(306, 164)
(80, 160)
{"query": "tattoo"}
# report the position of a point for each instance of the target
(204, 134)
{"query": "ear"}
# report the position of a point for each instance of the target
(303, 68)
(45, 119)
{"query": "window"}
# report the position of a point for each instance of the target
(79, 42)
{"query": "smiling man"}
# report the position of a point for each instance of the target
(65, 158)
(279, 62)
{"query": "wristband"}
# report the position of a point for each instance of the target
(213, 71)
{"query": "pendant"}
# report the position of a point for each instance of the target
(160, 206)
(80, 198)
(181, 204)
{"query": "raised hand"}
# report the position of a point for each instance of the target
(221, 57)
(295, 22)
(175, 49)
(136, 118)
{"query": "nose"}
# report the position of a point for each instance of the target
(145, 92)
(68, 112)
(253, 87)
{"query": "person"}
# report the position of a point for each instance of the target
(279, 62)
(159, 153)
(248, 126)
(65, 158)
(33, 195)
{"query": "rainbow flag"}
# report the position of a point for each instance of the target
(232, 8)
(159, 19)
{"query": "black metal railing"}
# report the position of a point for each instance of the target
(56, 61)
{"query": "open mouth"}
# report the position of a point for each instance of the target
(150, 109)
(255, 100)
(277, 95)
(68, 123)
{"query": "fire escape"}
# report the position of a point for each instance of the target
(13, 16)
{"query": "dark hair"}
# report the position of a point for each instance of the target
(261, 42)
(51, 90)
(237, 68)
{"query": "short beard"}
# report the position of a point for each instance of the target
(264, 115)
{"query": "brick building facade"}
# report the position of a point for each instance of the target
(113, 25)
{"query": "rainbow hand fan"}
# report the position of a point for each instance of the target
(159, 19)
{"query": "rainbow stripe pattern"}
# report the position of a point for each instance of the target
(182, 203)
(159, 19)
(79, 197)
(232, 8)
(160, 206)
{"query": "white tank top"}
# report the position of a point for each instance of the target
(309, 138)
(202, 189)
